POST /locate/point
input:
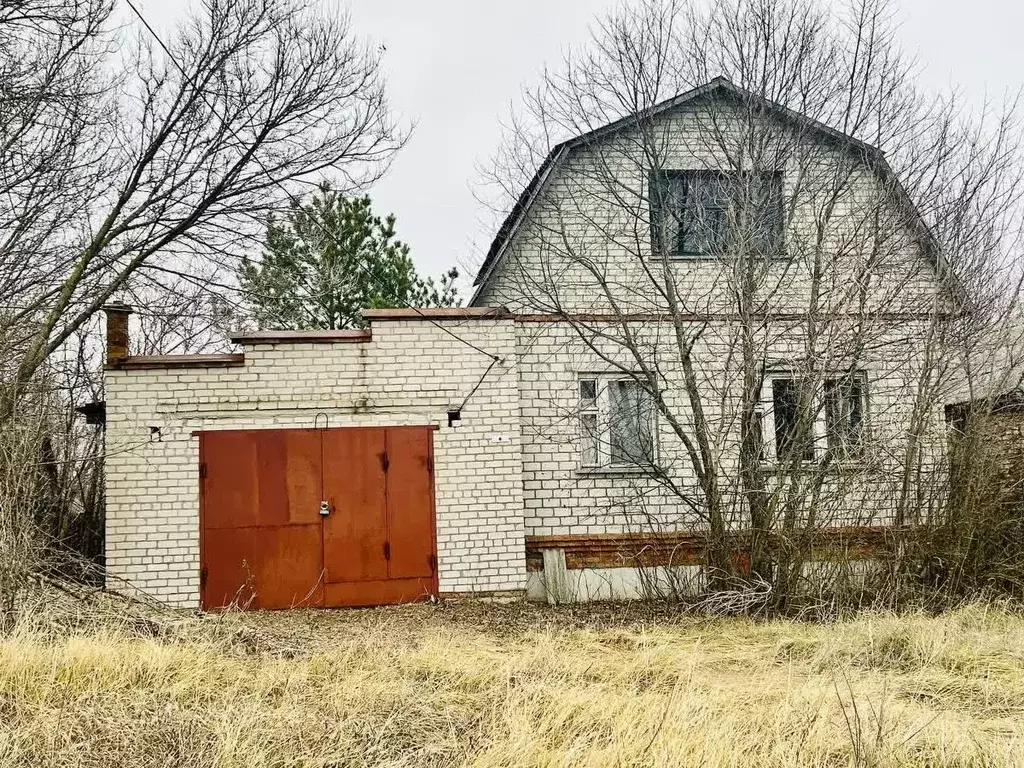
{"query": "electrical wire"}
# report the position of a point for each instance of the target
(472, 392)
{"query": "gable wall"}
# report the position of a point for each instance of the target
(593, 211)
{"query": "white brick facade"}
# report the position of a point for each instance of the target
(513, 469)
(582, 247)
(591, 218)
(410, 373)
(562, 498)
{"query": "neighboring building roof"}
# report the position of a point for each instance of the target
(992, 376)
(1008, 402)
(515, 217)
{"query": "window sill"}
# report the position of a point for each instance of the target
(613, 471)
(851, 465)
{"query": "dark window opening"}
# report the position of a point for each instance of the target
(791, 441)
(588, 391)
(711, 213)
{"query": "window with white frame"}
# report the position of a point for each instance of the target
(845, 407)
(798, 425)
(616, 422)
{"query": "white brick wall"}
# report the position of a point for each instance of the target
(411, 372)
(591, 216)
(560, 498)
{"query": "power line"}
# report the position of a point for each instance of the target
(480, 381)
(199, 91)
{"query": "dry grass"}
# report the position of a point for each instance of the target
(509, 686)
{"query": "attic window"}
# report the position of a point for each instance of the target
(716, 213)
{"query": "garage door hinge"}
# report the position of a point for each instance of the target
(203, 574)
(430, 464)
(433, 563)
(202, 470)
(387, 550)
(384, 461)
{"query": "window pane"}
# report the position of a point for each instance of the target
(705, 224)
(785, 404)
(844, 414)
(833, 415)
(589, 440)
(588, 390)
(668, 203)
(855, 408)
(630, 417)
(766, 214)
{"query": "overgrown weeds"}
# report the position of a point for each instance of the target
(51, 500)
(467, 684)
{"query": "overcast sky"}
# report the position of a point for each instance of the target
(454, 66)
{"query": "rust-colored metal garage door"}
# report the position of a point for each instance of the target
(317, 517)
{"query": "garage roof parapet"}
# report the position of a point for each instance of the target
(307, 337)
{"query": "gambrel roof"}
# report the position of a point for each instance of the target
(720, 86)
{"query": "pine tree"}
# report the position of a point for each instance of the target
(309, 279)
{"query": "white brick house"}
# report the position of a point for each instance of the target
(555, 466)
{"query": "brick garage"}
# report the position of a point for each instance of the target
(406, 370)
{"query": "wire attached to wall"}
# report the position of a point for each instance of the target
(455, 414)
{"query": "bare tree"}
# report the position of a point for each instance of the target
(112, 161)
(754, 215)
(140, 168)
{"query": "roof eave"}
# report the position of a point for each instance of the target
(514, 220)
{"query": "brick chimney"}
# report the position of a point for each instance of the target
(117, 332)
